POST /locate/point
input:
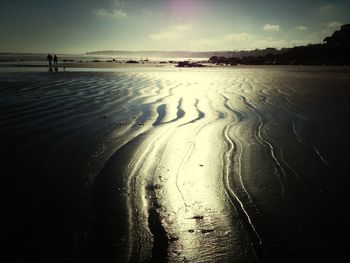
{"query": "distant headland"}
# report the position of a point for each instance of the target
(335, 50)
(188, 54)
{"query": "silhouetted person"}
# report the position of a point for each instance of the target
(49, 58)
(55, 63)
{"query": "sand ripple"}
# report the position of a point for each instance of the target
(195, 165)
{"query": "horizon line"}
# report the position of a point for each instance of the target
(189, 51)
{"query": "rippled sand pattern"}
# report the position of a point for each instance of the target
(238, 165)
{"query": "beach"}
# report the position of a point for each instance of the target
(167, 164)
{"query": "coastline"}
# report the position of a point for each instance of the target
(77, 65)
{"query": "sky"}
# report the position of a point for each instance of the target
(79, 26)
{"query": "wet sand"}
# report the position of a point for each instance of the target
(243, 164)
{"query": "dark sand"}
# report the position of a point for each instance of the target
(194, 165)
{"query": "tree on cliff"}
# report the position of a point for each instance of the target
(340, 37)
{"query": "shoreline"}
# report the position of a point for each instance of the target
(153, 66)
(156, 64)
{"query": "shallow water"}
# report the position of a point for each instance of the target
(198, 165)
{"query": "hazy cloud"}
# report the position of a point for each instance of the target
(111, 9)
(328, 8)
(108, 5)
(237, 37)
(204, 42)
(171, 33)
(116, 13)
(302, 28)
(233, 39)
(271, 28)
(270, 42)
(181, 28)
(146, 11)
(243, 41)
(119, 2)
(334, 24)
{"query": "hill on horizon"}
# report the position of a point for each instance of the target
(190, 54)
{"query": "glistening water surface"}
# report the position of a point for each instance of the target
(177, 165)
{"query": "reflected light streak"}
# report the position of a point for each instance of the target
(184, 160)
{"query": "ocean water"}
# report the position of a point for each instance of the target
(40, 58)
(241, 164)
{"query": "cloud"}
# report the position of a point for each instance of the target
(302, 28)
(205, 42)
(244, 41)
(181, 28)
(233, 39)
(112, 9)
(119, 2)
(237, 37)
(164, 36)
(146, 11)
(328, 8)
(334, 24)
(271, 28)
(171, 33)
(114, 14)
(270, 42)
